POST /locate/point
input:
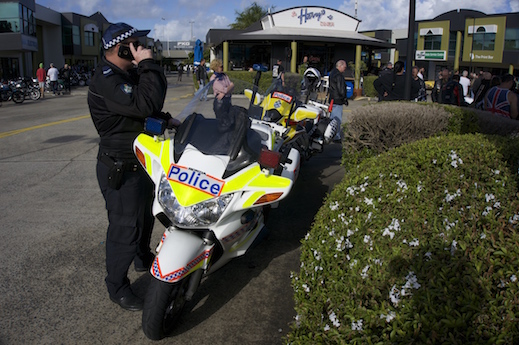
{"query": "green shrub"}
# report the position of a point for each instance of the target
(378, 127)
(244, 79)
(415, 246)
(367, 85)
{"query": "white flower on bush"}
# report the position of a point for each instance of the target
(450, 197)
(368, 202)
(333, 318)
(356, 325)
(389, 317)
(513, 278)
(419, 187)
(402, 186)
(395, 226)
(334, 206)
(428, 255)
(455, 159)
(305, 287)
(449, 225)
(414, 243)
(326, 328)
(489, 197)
(454, 246)
(395, 293)
(364, 273)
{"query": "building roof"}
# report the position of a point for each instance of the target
(310, 23)
(300, 34)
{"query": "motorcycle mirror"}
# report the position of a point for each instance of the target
(154, 126)
(259, 68)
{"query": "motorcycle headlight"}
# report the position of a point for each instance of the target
(203, 214)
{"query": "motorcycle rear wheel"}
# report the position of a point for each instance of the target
(163, 306)
(18, 97)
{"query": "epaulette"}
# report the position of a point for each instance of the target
(107, 71)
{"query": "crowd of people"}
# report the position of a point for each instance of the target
(494, 93)
(55, 75)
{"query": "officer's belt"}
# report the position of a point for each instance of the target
(110, 161)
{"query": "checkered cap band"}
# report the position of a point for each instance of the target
(118, 39)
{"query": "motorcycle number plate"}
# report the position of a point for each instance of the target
(195, 179)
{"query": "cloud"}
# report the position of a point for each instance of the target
(380, 14)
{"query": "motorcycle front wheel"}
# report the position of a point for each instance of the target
(34, 94)
(163, 306)
(18, 97)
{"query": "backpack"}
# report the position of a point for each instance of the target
(450, 93)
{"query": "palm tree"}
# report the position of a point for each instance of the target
(249, 16)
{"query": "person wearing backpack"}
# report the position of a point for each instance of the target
(442, 80)
(452, 92)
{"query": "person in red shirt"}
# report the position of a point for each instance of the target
(42, 76)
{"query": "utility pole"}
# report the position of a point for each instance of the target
(410, 51)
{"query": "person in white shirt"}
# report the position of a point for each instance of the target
(465, 82)
(53, 76)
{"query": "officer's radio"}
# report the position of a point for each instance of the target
(125, 52)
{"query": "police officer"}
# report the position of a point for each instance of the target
(127, 87)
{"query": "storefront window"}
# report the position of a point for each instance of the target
(483, 40)
(432, 42)
(512, 39)
(452, 43)
(89, 38)
(76, 36)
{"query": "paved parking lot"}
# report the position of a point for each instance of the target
(53, 225)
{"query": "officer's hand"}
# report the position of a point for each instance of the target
(140, 54)
(173, 123)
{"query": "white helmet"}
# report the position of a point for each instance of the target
(313, 76)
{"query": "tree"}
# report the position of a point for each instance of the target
(249, 16)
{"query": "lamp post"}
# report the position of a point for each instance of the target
(191, 22)
(410, 50)
(163, 35)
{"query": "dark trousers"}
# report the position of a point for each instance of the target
(130, 226)
(221, 109)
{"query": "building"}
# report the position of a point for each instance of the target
(322, 34)
(17, 37)
(466, 40)
(31, 34)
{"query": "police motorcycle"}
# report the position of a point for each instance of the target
(307, 126)
(214, 181)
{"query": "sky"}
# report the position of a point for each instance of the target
(180, 20)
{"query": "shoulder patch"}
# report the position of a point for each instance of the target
(107, 70)
(127, 88)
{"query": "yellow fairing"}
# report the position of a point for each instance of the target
(278, 104)
(148, 145)
(303, 113)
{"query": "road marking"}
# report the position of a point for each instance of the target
(18, 131)
(181, 97)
